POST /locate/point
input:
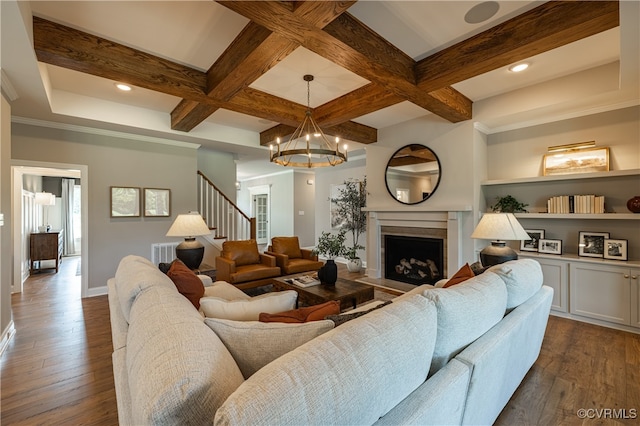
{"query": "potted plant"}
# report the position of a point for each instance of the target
(352, 198)
(508, 204)
(330, 246)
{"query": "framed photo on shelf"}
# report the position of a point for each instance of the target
(532, 244)
(157, 202)
(591, 244)
(615, 249)
(125, 201)
(577, 161)
(550, 246)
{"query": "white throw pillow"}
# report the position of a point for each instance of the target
(226, 291)
(249, 310)
(254, 344)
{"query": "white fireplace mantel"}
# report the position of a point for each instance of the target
(451, 220)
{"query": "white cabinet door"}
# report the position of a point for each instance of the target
(635, 297)
(600, 291)
(556, 276)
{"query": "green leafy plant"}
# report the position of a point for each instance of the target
(331, 245)
(508, 204)
(349, 203)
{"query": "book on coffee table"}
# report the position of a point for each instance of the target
(304, 281)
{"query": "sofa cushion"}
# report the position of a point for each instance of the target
(295, 266)
(462, 275)
(348, 316)
(186, 281)
(254, 344)
(465, 312)
(226, 291)
(242, 252)
(249, 309)
(523, 278)
(286, 245)
(253, 272)
(353, 374)
(134, 275)
(306, 314)
(179, 371)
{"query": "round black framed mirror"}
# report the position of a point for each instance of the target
(412, 174)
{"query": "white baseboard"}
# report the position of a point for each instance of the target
(7, 334)
(96, 291)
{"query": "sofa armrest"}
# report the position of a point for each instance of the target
(281, 259)
(267, 260)
(308, 254)
(224, 268)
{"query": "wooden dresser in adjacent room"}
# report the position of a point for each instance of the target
(45, 246)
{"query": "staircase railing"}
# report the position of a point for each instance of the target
(222, 214)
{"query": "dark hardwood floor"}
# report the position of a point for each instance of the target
(57, 368)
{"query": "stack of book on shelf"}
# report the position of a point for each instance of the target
(576, 204)
(304, 281)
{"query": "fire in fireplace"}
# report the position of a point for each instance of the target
(413, 260)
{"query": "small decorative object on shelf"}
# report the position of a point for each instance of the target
(634, 204)
(550, 246)
(615, 249)
(591, 244)
(576, 204)
(508, 204)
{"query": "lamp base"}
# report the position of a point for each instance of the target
(498, 252)
(191, 252)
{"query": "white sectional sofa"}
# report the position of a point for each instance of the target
(433, 356)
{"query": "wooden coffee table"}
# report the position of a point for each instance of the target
(349, 293)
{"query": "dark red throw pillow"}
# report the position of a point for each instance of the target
(306, 314)
(186, 281)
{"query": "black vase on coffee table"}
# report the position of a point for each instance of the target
(328, 274)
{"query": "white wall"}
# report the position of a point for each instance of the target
(220, 168)
(325, 177)
(5, 208)
(304, 212)
(115, 162)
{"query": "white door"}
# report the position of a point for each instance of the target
(261, 213)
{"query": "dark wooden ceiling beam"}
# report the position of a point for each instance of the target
(349, 130)
(352, 45)
(253, 52)
(66, 47)
(549, 26)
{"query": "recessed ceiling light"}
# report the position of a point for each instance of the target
(519, 67)
(123, 87)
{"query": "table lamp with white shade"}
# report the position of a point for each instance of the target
(499, 227)
(189, 226)
(45, 199)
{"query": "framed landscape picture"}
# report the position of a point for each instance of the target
(577, 161)
(550, 246)
(591, 244)
(532, 244)
(615, 249)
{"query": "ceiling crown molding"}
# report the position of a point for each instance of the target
(7, 86)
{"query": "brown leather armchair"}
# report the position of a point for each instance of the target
(241, 264)
(291, 258)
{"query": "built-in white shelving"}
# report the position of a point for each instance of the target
(576, 176)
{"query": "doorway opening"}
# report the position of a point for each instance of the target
(68, 183)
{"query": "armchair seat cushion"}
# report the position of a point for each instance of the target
(253, 272)
(295, 266)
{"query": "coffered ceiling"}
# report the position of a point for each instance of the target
(228, 74)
